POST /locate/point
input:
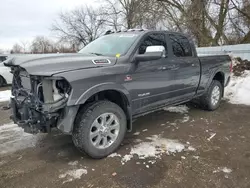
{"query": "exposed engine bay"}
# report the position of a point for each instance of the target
(37, 101)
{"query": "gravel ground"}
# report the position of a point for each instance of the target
(218, 154)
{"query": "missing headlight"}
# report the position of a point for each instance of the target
(63, 86)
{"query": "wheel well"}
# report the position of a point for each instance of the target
(116, 97)
(220, 77)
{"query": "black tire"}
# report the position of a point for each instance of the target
(206, 100)
(83, 123)
(2, 81)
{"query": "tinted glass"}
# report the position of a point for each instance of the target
(181, 46)
(2, 58)
(156, 39)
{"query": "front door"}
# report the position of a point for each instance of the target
(151, 79)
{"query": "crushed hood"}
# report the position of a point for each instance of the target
(49, 64)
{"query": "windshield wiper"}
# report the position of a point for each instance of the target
(98, 54)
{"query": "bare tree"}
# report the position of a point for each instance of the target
(113, 14)
(24, 45)
(41, 44)
(240, 20)
(16, 49)
(79, 26)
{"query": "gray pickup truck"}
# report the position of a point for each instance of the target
(94, 95)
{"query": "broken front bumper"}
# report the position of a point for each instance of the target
(32, 119)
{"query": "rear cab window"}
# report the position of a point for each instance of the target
(180, 46)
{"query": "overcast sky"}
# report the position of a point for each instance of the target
(22, 20)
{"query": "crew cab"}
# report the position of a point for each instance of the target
(94, 95)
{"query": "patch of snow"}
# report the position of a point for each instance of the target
(183, 157)
(126, 158)
(196, 157)
(190, 148)
(136, 133)
(137, 140)
(155, 148)
(185, 119)
(237, 92)
(71, 175)
(147, 166)
(173, 124)
(177, 109)
(224, 169)
(152, 161)
(73, 163)
(5, 95)
(13, 138)
(144, 130)
(114, 155)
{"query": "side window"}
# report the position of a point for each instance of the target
(181, 46)
(156, 39)
(2, 58)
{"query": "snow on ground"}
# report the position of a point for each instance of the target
(224, 169)
(5, 95)
(114, 155)
(154, 148)
(71, 175)
(177, 109)
(13, 138)
(238, 90)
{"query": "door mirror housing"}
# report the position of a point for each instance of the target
(152, 53)
(156, 49)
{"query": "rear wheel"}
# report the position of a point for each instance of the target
(99, 129)
(212, 99)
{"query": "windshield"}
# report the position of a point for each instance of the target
(110, 45)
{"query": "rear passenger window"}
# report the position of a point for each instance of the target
(156, 39)
(181, 46)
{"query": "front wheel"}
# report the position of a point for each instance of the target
(99, 129)
(212, 99)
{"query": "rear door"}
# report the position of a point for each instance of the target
(187, 72)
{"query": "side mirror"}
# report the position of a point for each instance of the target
(152, 53)
(156, 49)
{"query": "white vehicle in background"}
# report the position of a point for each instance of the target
(5, 75)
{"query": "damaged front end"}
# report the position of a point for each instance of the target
(37, 101)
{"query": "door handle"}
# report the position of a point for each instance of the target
(171, 67)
